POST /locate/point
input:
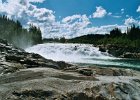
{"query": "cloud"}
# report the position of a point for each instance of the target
(69, 27)
(89, 30)
(28, 13)
(122, 11)
(37, 1)
(23, 8)
(71, 18)
(103, 29)
(138, 10)
(115, 16)
(76, 18)
(100, 12)
(131, 21)
(77, 25)
(110, 13)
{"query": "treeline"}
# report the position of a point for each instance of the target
(60, 40)
(130, 38)
(14, 33)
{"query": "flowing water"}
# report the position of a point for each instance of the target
(82, 54)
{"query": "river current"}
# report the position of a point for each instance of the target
(83, 54)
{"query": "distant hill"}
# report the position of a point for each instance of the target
(14, 33)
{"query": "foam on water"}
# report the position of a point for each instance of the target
(77, 53)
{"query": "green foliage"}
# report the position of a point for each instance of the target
(133, 33)
(115, 33)
(62, 40)
(13, 32)
(35, 33)
(49, 40)
(130, 38)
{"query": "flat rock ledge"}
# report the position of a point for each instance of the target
(53, 84)
(27, 76)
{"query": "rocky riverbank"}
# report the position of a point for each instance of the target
(121, 51)
(28, 76)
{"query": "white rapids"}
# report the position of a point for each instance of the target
(76, 53)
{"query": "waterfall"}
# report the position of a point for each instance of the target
(79, 53)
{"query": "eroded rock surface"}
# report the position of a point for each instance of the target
(13, 59)
(27, 76)
(53, 84)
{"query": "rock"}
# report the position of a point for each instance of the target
(131, 55)
(112, 72)
(29, 76)
(40, 94)
(63, 65)
(87, 72)
(10, 54)
(102, 49)
(100, 97)
(79, 96)
(121, 51)
(53, 84)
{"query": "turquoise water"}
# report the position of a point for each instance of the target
(120, 63)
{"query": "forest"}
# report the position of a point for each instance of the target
(14, 33)
(130, 38)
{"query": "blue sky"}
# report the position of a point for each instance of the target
(66, 8)
(72, 18)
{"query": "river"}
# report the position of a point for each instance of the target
(83, 54)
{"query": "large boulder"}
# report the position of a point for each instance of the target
(102, 49)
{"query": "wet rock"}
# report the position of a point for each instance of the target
(102, 49)
(36, 94)
(63, 65)
(87, 72)
(79, 96)
(131, 55)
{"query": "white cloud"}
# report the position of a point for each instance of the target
(77, 25)
(115, 16)
(23, 8)
(100, 12)
(71, 26)
(122, 11)
(131, 21)
(71, 18)
(103, 29)
(127, 16)
(110, 13)
(76, 18)
(138, 10)
(27, 13)
(39, 1)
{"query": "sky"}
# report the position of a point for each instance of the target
(72, 18)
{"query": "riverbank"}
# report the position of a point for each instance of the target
(25, 76)
(121, 51)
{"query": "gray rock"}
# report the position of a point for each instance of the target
(28, 76)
